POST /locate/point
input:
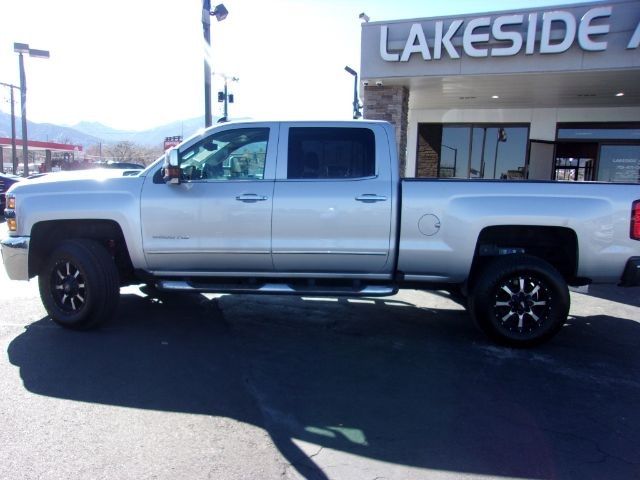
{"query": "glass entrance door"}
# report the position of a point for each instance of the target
(606, 152)
(574, 169)
(575, 161)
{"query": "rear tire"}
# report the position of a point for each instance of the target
(519, 301)
(79, 285)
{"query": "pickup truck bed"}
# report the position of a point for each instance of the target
(583, 228)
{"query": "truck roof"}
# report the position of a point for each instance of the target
(203, 130)
(328, 122)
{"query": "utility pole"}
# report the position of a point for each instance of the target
(226, 99)
(21, 48)
(23, 110)
(14, 156)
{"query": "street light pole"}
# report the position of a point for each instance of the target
(206, 29)
(20, 49)
(220, 12)
(356, 101)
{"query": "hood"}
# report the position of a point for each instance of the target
(79, 180)
(89, 174)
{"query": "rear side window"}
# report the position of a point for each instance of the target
(331, 153)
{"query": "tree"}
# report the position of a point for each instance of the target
(149, 155)
(124, 151)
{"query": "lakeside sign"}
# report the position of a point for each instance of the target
(559, 30)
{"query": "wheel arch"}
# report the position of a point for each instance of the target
(556, 245)
(46, 235)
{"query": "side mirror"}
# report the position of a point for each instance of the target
(171, 167)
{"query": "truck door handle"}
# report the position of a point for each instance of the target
(370, 198)
(250, 197)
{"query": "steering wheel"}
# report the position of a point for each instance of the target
(212, 171)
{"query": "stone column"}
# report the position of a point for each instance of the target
(390, 103)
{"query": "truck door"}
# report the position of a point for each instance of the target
(218, 219)
(332, 200)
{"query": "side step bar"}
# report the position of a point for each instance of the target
(276, 288)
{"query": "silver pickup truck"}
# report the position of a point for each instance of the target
(318, 208)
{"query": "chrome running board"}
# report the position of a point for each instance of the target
(276, 288)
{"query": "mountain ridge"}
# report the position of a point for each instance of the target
(87, 133)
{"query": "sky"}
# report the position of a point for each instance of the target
(137, 64)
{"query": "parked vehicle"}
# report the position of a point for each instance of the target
(318, 208)
(122, 165)
(6, 180)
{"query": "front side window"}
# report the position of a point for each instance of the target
(237, 154)
(330, 153)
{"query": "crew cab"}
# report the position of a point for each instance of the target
(318, 208)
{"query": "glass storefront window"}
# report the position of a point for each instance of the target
(511, 154)
(499, 155)
(454, 155)
(472, 151)
(477, 147)
(619, 163)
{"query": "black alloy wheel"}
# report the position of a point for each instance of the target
(68, 287)
(519, 300)
(522, 304)
(79, 284)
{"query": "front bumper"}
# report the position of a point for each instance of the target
(631, 275)
(15, 255)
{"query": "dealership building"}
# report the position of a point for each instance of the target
(549, 93)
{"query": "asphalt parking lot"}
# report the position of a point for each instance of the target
(237, 387)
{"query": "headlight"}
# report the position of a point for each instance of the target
(10, 213)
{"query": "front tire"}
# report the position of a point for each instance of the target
(79, 285)
(519, 301)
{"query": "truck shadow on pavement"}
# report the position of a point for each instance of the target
(627, 295)
(384, 380)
